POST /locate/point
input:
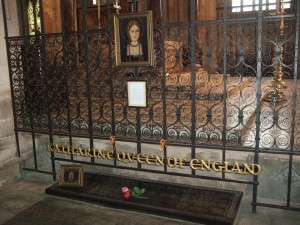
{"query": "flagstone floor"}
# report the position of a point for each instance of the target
(30, 188)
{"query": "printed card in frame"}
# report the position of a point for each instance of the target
(137, 93)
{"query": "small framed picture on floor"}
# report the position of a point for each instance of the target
(71, 175)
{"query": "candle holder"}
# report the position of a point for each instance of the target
(275, 94)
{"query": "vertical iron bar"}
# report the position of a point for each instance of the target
(162, 16)
(138, 111)
(44, 65)
(294, 105)
(30, 101)
(111, 72)
(33, 141)
(167, 12)
(10, 78)
(30, 113)
(34, 17)
(138, 122)
(193, 78)
(225, 86)
(138, 134)
(88, 77)
(66, 75)
(22, 17)
(177, 11)
(258, 97)
(134, 6)
(31, 126)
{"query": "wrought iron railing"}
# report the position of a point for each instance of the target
(206, 90)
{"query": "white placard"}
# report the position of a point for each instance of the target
(137, 96)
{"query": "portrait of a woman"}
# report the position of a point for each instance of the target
(134, 39)
(134, 50)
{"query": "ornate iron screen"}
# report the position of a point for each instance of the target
(207, 89)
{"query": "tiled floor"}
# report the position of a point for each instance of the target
(22, 193)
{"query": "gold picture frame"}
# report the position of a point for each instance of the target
(71, 175)
(137, 93)
(134, 39)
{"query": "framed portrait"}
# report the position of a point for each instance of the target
(71, 175)
(137, 94)
(134, 39)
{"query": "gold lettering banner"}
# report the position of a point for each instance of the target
(157, 160)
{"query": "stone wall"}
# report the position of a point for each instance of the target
(272, 180)
(9, 161)
(44, 162)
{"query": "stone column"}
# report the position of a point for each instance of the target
(9, 161)
(7, 137)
